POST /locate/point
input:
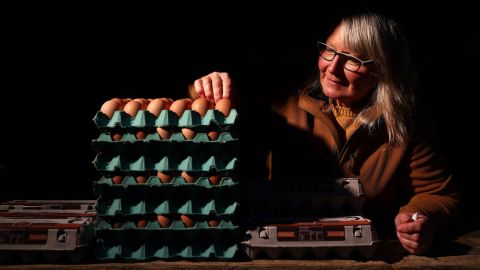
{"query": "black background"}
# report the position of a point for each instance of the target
(59, 63)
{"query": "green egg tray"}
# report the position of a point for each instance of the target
(142, 207)
(177, 225)
(153, 145)
(176, 137)
(154, 181)
(167, 118)
(166, 163)
(168, 244)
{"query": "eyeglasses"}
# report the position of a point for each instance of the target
(348, 61)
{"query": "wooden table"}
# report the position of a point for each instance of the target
(461, 253)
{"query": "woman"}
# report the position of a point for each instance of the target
(358, 119)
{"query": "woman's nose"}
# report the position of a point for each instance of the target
(335, 65)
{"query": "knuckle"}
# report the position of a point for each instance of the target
(197, 83)
(208, 94)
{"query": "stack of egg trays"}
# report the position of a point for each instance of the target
(130, 201)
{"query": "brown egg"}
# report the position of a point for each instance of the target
(165, 177)
(117, 225)
(125, 101)
(214, 179)
(132, 108)
(224, 105)
(156, 106)
(179, 106)
(201, 105)
(141, 223)
(213, 222)
(163, 133)
(119, 101)
(117, 179)
(117, 136)
(188, 176)
(189, 102)
(168, 102)
(164, 221)
(143, 102)
(188, 133)
(213, 135)
(187, 221)
(140, 135)
(109, 107)
(141, 179)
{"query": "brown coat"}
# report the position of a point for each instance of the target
(414, 177)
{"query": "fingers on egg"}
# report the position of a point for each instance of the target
(224, 105)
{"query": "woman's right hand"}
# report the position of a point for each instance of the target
(214, 86)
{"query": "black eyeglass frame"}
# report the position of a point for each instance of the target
(321, 46)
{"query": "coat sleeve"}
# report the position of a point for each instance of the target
(432, 182)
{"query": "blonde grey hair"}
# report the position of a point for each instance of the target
(380, 40)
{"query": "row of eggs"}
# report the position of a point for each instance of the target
(167, 176)
(166, 132)
(165, 221)
(155, 106)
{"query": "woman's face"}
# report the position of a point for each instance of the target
(346, 87)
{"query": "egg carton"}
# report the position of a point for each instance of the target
(118, 206)
(168, 244)
(339, 236)
(167, 118)
(153, 181)
(54, 239)
(166, 163)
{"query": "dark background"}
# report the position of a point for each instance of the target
(59, 63)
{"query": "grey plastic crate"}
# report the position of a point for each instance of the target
(52, 239)
(341, 235)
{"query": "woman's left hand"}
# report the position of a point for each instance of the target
(415, 233)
